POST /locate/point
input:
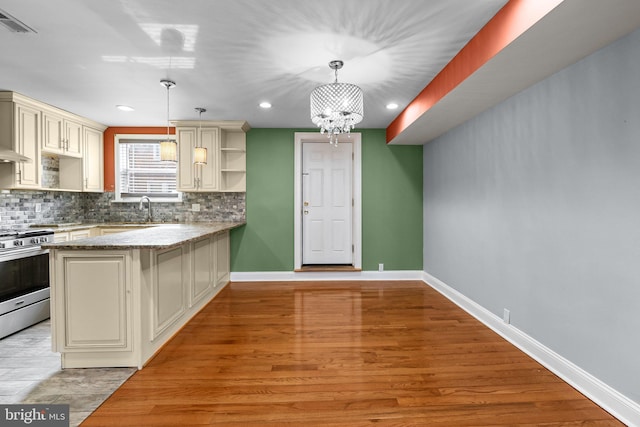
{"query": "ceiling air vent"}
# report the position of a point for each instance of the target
(14, 25)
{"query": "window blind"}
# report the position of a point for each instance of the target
(143, 173)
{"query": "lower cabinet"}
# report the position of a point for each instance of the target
(65, 236)
(113, 308)
(168, 285)
(223, 270)
(203, 254)
(113, 230)
(93, 302)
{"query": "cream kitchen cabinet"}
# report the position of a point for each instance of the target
(193, 177)
(106, 230)
(225, 142)
(233, 160)
(35, 129)
(116, 307)
(87, 172)
(66, 236)
(60, 236)
(222, 251)
(203, 252)
(92, 160)
(20, 131)
(61, 135)
(209, 265)
(80, 234)
(94, 302)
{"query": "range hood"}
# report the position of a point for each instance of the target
(12, 156)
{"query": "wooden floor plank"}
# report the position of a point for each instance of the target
(342, 354)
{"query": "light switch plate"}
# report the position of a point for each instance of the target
(195, 207)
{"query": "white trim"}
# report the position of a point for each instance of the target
(355, 139)
(603, 395)
(288, 276)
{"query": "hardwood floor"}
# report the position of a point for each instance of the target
(342, 354)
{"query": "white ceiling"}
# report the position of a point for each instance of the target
(87, 56)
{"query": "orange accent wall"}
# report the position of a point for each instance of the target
(516, 17)
(109, 140)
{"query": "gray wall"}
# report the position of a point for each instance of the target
(534, 206)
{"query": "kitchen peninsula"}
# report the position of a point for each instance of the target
(117, 298)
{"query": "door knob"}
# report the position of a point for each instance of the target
(306, 203)
(306, 212)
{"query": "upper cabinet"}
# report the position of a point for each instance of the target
(93, 160)
(66, 150)
(225, 142)
(61, 135)
(192, 177)
(20, 131)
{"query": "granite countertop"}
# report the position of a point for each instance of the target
(72, 226)
(154, 236)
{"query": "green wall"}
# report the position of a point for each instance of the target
(391, 203)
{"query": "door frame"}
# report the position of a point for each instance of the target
(355, 138)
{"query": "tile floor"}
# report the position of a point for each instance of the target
(30, 373)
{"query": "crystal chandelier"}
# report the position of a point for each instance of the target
(336, 107)
(168, 147)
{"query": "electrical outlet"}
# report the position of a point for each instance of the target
(195, 207)
(506, 316)
(380, 267)
(38, 207)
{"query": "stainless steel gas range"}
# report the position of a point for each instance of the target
(24, 278)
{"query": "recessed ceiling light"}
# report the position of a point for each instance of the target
(124, 108)
(265, 105)
(392, 106)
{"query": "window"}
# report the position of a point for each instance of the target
(139, 171)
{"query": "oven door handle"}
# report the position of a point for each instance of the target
(14, 254)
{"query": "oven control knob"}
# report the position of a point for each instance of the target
(43, 240)
(1, 245)
(34, 240)
(18, 243)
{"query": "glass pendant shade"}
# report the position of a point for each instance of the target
(336, 107)
(168, 151)
(200, 156)
(199, 152)
(168, 147)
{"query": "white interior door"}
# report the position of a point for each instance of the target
(327, 203)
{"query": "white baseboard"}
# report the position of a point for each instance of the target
(285, 276)
(614, 402)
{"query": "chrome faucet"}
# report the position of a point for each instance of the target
(142, 199)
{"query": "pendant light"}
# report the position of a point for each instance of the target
(336, 107)
(199, 152)
(168, 147)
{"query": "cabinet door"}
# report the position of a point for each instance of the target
(94, 294)
(80, 234)
(202, 262)
(52, 133)
(222, 258)
(168, 288)
(93, 165)
(209, 173)
(186, 171)
(62, 236)
(73, 138)
(28, 144)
